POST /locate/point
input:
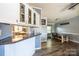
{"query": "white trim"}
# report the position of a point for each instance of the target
(74, 41)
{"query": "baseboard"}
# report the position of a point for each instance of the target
(74, 41)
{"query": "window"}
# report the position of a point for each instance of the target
(49, 29)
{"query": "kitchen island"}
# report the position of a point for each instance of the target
(24, 47)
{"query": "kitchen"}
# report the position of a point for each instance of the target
(24, 32)
(19, 24)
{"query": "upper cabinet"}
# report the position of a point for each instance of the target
(37, 19)
(22, 12)
(30, 16)
(12, 13)
(44, 21)
(33, 17)
(18, 13)
(37, 16)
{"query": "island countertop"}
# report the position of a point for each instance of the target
(8, 40)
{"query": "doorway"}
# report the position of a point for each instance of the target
(49, 32)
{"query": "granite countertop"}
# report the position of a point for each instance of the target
(8, 40)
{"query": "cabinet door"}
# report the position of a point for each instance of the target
(29, 16)
(34, 18)
(37, 19)
(22, 12)
(26, 13)
(44, 21)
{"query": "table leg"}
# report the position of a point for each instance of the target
(67, 39)
(62, 39)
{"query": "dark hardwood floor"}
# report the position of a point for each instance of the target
(56, 48)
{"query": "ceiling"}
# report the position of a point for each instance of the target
(55, 11)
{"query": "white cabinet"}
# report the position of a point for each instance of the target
(38, 12)
(18, 13)
(36, 19)
(44, 21)
(33, 17)
(11, 13)
(30, 16)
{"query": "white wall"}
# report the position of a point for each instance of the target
(9, 12)
(73, 27)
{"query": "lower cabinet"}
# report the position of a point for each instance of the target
(37, 42)
(2, 52)
(22, 48)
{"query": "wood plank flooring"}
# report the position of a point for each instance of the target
(56, 48)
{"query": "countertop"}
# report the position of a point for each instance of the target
(8, 40)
